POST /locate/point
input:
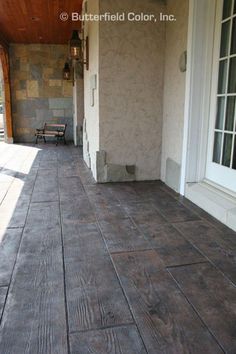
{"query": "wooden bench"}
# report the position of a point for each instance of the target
(51, 130)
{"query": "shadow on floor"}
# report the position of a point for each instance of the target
(107, 268)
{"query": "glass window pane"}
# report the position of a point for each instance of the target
(222, 76)
(232, 76)
(224, 47)
(233, 40)
(220, 113)
(227, 150)
(227, 8)
(230, 113)
(234, 157)
(234, 7)
(217, 147)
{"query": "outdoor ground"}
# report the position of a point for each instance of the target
(116, 268)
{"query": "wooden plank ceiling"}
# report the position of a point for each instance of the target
(37, 21)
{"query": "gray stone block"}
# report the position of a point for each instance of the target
(36, 72)
(60, 103)
(108, 172)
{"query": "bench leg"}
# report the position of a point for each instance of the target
(44, 139)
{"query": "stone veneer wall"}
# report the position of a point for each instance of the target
(38, 92)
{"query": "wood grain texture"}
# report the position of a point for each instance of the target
(3, 294)
(170, 245)
(36, 295)
(119, 340)
(166, 321)
(219, 247)
(175, 212)
(94, 296)
(10, 241)
(213, 297)
(77, 210)
(30, 21)
(122, 235)
(70, 187)
(144, 212)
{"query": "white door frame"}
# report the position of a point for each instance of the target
(198, 90)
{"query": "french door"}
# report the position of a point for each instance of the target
(221, 159)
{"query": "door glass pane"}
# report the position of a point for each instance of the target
(234, 7)
(230, 113)
(232, 76)
(220, 113)
(217, 147)
(234, 157)
(227, 150)
(233, 40)
(222, 76)
(227, 8)
(224, 48)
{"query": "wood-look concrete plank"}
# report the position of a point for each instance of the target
(122, 235)
(34, 319)
(213, 297)
(94, 296)
(101, 195)
(77, 210)
(166, 321)
(219, 247)
(45, 215)
(71, 188)
(170, 245)
(144, 212)
(9, 245)
(82, 241)
(45, 188)
(123, 339)
(175, 212)
(3, 294)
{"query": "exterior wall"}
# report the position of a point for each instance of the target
(91, 111)
(174, 93)
(131, 65)
(38, 92)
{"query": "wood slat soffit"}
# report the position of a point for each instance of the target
(37, 21)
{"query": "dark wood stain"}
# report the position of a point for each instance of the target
(166, 321)
(58, 285)
(122, 236)
(170, 245)
(118, 340)
(213, 297)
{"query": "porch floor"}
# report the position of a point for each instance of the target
(118, 268)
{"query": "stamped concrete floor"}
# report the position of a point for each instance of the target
(126, 268)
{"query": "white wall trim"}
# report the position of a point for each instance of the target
(187, 98)
(198, 84)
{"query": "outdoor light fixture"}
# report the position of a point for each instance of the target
(77, 47)
(66, 71)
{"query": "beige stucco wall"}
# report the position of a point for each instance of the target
(131, 70)
(174, 86)
(91, 113)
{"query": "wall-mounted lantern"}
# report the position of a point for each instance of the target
(79, 48)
